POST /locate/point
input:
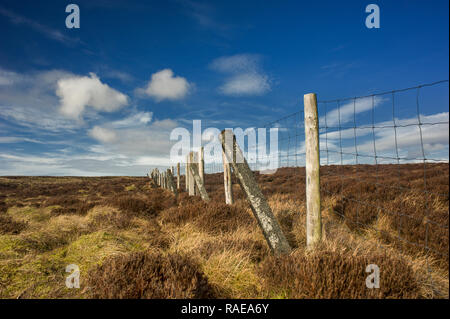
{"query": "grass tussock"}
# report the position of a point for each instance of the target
(9, 226)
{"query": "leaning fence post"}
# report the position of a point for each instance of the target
(178, 175)
(198, 181)
(260, 208)
(191, 186)
(227, 180)
(313, 214)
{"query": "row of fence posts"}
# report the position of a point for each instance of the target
(234, 161)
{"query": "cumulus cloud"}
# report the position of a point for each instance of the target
(103, 135)
(245, 76)
(78, 92)
(165, 86)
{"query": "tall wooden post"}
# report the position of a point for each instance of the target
(261, 210)
(201, 165)
(178, 175)
(171, 183)
(186, 177)
(165, 179)
(313, 214)
(191, 187)
(228, 186)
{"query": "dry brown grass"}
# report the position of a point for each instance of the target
(132, 240)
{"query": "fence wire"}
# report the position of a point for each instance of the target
(384, 167)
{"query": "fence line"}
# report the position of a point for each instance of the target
(381, 158)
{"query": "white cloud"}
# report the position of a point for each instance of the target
(245, 76)
(346, 111)
(78, 92)
(8, 77)
(236, 63)
(435, 139)
(138, 119)
(165, 86)
(38, 108)
(246, 84)
(17, 139)
(103, 135)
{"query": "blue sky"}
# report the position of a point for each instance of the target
(102, 99)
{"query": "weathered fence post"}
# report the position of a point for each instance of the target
(178, 175)
(165, 179)
(227, 180)
(191, 186)
(198, 181)
(171, 182)
(313, 214)
(159, 179)
(260, 208)
(201, 165)
(186, 173)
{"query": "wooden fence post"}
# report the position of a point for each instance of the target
(260, 208)
(227, 180)
(186, 173)
(165, 179)
(201, 165)
(191, 187)
(313, 214)
(198, 181)
(171, 182)
(178, 175)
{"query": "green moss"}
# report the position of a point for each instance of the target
(130, 188)
(30, 214)
(12, 246)
(43, 276)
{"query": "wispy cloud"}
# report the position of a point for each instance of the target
(244, 75)
(46, 31)
(344, 113)
(205, 15)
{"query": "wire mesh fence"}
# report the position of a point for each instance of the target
(383, 167)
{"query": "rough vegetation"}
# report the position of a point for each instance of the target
(131, 240)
